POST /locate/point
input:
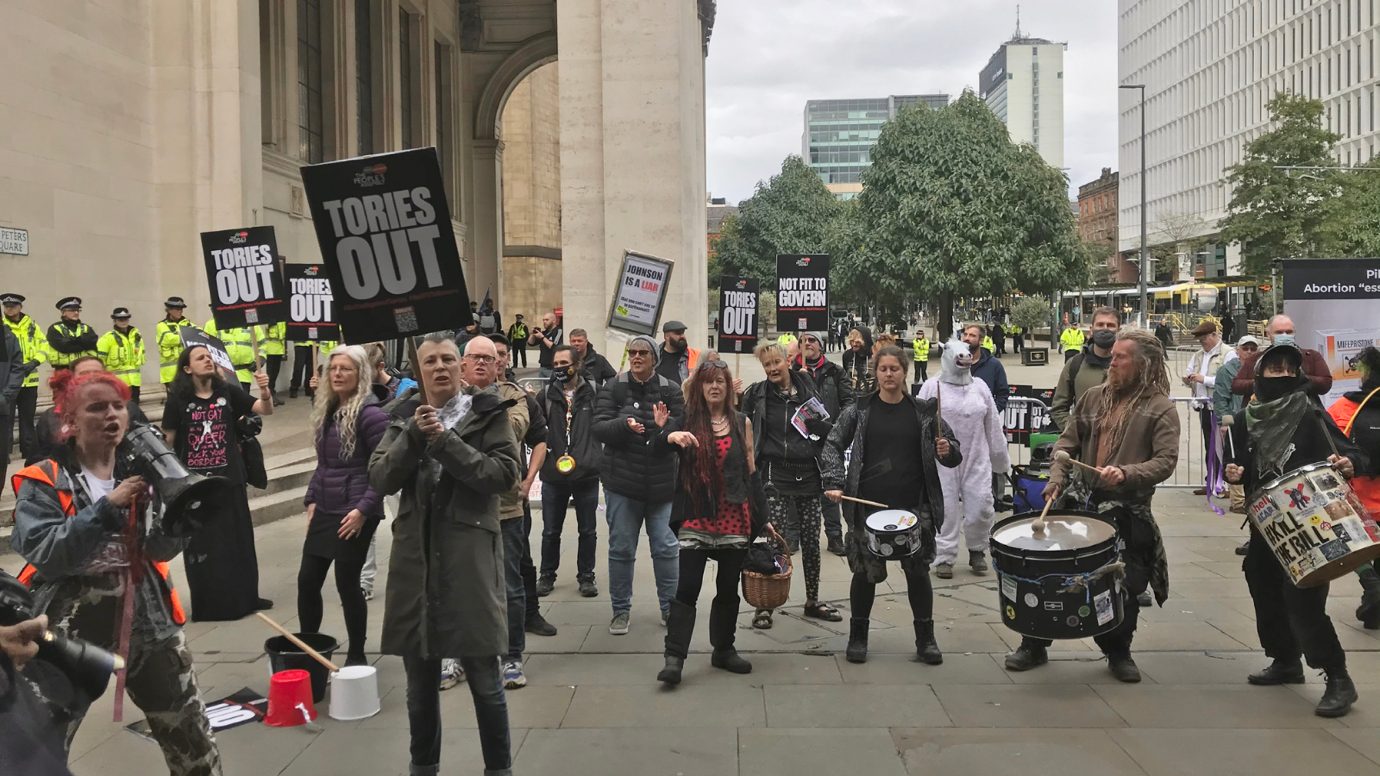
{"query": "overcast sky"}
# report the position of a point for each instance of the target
(767, 57)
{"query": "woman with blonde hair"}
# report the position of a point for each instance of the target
(342, 509)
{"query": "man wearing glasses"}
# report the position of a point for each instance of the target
(632, 412)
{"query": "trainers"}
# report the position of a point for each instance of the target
(513, 677)
(619, 625)
(587, 588)
(545, 585)
(451, 673)
(944, 570)
(977, 562)
(538, 626)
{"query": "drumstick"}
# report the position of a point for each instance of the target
(1063, 456)
(298, 642)
(1038, 527)
(864, 501)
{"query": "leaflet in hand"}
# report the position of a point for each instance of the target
(810, 410)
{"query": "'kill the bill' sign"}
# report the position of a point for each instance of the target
(310, 305)
(737, 314)
(802, 292)
(243, 271)
(385, 234)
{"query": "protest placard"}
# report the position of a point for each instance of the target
(310, 305)
(245, 278)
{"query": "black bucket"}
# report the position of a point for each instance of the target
(283, 654)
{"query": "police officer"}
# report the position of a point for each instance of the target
(168, 334)
(239, 346)
(122, 351)
(274, 348)
(921, 346)
(33, 346)
(69, 339)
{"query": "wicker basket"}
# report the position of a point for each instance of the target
(768, 591)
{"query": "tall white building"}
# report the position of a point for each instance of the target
(1023, 83)
(1209, 69)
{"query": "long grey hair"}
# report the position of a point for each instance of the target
(343, 412)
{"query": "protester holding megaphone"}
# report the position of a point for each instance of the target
(97, 566)
(203, 420)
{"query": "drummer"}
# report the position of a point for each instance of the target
(1128, 429)
(1280, 430)
(892, 435)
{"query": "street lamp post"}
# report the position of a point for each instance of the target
(1144, 250)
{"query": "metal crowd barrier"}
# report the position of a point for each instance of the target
(532, 384)
(1192, 466)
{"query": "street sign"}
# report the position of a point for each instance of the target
(14, 241)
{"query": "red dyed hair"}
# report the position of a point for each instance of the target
(67, 386)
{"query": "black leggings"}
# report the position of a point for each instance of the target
(692, 563)
(311, 576)
(862, 593)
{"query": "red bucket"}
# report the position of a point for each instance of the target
(289, 699)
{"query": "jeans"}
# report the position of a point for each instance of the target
(529, 571)
(424, 711)
(626, 515)
(833, 518)
(555, 497)
(513, 545)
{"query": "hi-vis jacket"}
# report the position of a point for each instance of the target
(123, 354)
(31, 342)
(68, 342)
(1071, 339)
(922, 349)
(168, 334)
(274, 339)
(239, 346)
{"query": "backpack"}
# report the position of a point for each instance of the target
(1075, 364)
(487, 321)
(620, 387)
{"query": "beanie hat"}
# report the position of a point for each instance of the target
(651, 345)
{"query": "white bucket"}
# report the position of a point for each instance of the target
(354, 693)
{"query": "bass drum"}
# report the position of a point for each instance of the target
(1059, 584)
(1315, 523)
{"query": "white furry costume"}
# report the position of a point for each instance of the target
(967, 406)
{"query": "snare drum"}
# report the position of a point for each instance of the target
(1058, 584)
(1316, 525)
(892, 534)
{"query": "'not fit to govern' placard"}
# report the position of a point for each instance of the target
(385, 234)
(802, 292)
(246, 282)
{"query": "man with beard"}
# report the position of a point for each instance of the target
(547, 338)
(677, 359)
(1128, 431)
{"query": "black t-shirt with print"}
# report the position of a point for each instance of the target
(207, 437)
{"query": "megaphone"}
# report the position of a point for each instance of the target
(190, 500)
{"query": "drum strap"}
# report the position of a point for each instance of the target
(1346, 432)
(1072, 583)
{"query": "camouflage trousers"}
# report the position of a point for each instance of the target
(161, 682)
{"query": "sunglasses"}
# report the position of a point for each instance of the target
(714, 364)
(639, 352)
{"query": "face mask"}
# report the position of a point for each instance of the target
(1104, 338)
(1271, 388)
(1283, 339)
(562, 374)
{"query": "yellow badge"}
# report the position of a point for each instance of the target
(565, 464)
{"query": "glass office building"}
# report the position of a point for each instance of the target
(839, 135)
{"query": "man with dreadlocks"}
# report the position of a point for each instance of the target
(1128, 430)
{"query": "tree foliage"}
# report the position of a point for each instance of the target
(1353, 224)
(1032, 312)
(951, 207)
(1281, 213)
(791, 213)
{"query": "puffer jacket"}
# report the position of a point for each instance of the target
(584, 448)
(851, 430)
(631, 467)
(338, 486)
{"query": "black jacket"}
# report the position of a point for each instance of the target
(754, 406)
(1310, 446)
(855, 370)
(597, 369)
(584, 448)
(835, 389)
(631, 466)
(13, 368)
(851, 430)
(738, 485)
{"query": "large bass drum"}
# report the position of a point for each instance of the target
(1063, 583)
(1316, 525)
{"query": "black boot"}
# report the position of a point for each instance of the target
(1369, 610)
(925, 647)
(679, 626)
(723, 627)
(857, 640)
(1279, 672)
(1339, 695)
(1026, 657)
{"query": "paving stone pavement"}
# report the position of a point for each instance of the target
(593, 705)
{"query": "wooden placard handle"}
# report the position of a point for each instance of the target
(317, 656)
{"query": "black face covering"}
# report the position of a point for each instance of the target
(1271, 388)
(1104, 338)
(562, 374)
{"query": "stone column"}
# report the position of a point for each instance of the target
(485, 220)
(632, 153)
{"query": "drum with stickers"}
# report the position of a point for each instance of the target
(1060, 583)
(892, 534)
(1316, 525)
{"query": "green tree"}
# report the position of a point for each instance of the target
(951, 207)
(1281, 213)
(1032, 312)
(1353, 224)
(791, 213)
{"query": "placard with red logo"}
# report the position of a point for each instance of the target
(802, 292)
(243, 270)
(386, 240)
(737, 314)
(311, 307)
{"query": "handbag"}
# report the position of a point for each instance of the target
(251, 452)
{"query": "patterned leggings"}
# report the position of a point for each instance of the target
(799, 516)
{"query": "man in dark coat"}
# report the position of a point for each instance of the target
(452, 452)
(837, 396)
